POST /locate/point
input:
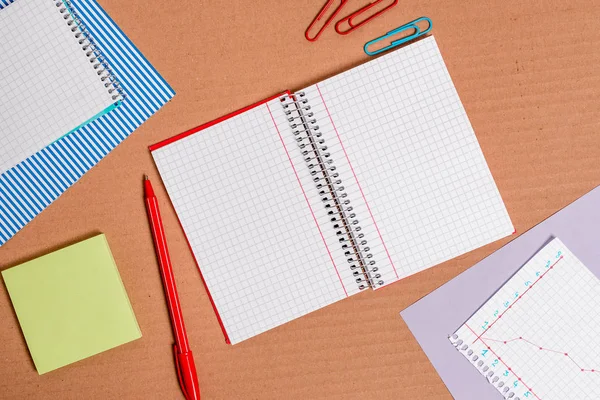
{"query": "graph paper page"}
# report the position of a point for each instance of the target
(48, 86)
(537, 337)
(357, 201)
(250, 227)
(332, 240)
(416, 164)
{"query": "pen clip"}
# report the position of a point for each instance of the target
(412, 25)
(320, 16)
(349, 20)
(178, 367)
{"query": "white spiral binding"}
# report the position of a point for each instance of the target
(92, 51)
(492, 378)
(328, 182)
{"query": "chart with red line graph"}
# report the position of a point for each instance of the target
(537, 336)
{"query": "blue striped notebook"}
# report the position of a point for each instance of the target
(29, 187)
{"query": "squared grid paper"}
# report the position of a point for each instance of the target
(33, 184)
(248, 223)
(351, 188)
(537, 335)
(326, 226)
(48, 85)
(414, 157)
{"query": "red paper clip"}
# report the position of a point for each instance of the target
(320, 16)
(349, 20)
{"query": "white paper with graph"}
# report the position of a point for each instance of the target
(352, 183)
(537, 337)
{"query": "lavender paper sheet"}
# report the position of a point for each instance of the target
(440, 313)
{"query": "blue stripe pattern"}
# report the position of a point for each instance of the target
(29, 187)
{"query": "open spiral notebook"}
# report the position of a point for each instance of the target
(352, 183)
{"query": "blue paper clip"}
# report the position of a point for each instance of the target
(411, 25)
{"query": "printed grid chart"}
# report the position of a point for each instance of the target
(48, 85)
(414, 156)
(248, 222)
(536, 337)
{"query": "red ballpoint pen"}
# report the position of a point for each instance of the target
(184, 360)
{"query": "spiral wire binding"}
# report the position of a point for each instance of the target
(483, 369)
(333, 195)
(92, 51)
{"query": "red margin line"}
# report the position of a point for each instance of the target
(506, 365)
(357, 182)
(518, 298)
(306, 198)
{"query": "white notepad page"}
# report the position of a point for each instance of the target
(418, 184)
(48, 86)
(537, 337)
(410, 159)
(245, 213)
(317, 206)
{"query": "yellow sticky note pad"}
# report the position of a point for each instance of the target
(71, 304)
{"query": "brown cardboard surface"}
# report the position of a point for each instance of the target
(528, 75)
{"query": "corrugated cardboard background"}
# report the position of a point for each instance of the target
(528, 75)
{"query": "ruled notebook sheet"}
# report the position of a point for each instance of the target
(537, 337)
(237, 194)
(48, 86)
(410, 160)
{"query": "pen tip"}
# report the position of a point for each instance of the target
(145, 177)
